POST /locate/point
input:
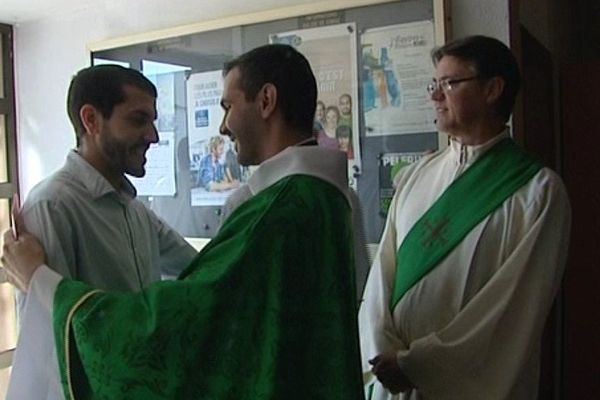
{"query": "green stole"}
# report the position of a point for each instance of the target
(464, 204)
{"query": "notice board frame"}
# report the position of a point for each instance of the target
(180, 45)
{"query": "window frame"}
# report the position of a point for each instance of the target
(8, 110)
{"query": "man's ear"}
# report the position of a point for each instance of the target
(91, 119)
(494, 89)
(267, 98)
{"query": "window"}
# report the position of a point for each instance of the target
(8, 186)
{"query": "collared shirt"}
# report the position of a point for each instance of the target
(94, 233)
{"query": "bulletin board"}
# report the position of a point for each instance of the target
(372, 63)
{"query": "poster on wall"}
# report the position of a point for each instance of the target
(215, 171)
(396, 68)
(331, 51)
(389, 166)
(159, 179)
(165, 101)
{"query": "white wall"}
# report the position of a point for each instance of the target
(485, 17)
(51, 50)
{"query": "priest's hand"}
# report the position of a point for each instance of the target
(388, 372)
(21, 257)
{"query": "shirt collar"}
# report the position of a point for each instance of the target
(96, 184)
(467, 154)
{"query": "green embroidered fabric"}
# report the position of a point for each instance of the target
(266, 311)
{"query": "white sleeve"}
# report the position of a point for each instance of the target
(43, 285)
(35, 366)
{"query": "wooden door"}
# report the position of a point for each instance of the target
(581, 170)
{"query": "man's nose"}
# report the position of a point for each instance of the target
(152, 135)
(223, 128)
(437, 94)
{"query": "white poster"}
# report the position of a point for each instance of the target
(159, 179)
(331, 51)
(165, 102)
(396, 70)
(215, 171)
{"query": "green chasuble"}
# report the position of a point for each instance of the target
(265, 311)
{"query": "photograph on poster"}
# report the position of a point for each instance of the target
(331, 51)
(389, 166)
(396, 68)
(215, 171)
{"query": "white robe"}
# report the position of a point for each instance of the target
(471, 328)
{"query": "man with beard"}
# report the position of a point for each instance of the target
(345, 107)
(86, 215)
(267, 310)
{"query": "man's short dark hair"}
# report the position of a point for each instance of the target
(290, 72)
(491, 58)
(102, 87)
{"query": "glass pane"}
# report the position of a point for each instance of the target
(8, 323)
(3, 155)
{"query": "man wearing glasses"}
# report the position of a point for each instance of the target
(473, 250)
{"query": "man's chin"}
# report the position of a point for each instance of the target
(135, 172)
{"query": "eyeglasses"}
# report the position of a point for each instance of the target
(446, 85)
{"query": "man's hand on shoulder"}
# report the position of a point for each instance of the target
(21, 257)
